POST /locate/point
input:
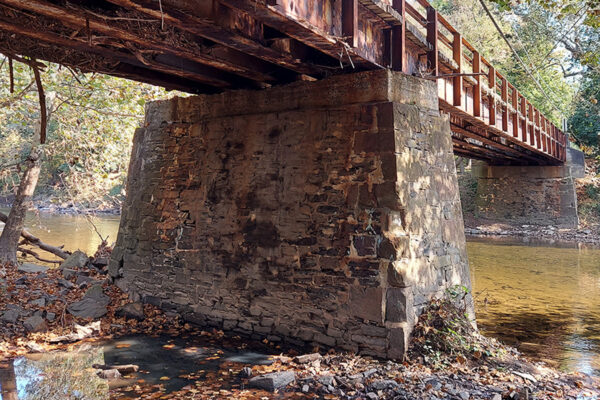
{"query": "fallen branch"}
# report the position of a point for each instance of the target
(123, 369)
(36, 255)
(57, 251)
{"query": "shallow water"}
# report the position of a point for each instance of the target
(543, 298)
(75, 232)
(69, 375)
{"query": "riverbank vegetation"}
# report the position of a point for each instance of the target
(92, 118)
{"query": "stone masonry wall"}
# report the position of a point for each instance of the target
(530, 195)
(314, 213)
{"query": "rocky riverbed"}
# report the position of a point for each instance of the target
(551, 233)
(50, 310)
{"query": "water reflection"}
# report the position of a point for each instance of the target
(74, 231)
(69, 375)
(542, 298)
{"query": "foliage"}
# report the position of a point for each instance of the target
(585, 121)
(92, 118)
(52, 377)
(445, 334)
(527, 28)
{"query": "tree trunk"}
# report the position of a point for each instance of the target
(9, 240)
(8, 383)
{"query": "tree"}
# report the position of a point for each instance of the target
(91, 120)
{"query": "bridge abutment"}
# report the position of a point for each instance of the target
(531, 195)
(314, 213)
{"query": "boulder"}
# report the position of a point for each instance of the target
(97, 293)
(273, 381)
(29, 268)
(100, 262)
(76, 260)
(41, 302)
(87, 308)
(35, 324)
(10, 316)
(307, 358)
(132, 311)
(68, 273)
(65, 283)
(83, 280)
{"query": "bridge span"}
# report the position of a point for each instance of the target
(210, 46)
(308, 194)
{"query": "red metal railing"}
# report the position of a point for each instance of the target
(486, 96)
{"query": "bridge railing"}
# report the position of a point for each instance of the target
(483, 95)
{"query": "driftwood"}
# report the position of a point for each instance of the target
(57, 251)
(123, 369)
(36, 255)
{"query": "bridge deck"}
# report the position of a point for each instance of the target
(214, 45)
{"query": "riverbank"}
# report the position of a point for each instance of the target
(52, 311)
(482, 228)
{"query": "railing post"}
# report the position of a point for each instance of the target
(477, 87)
(504, 97)
(432, 39)
(544, 134)
(399, 39)
(492, 97)
(515, 104)
(531, 131)
(458, 80)
(350, 21)
(538, 143)
(524, 122)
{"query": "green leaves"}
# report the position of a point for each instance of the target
(91, 125)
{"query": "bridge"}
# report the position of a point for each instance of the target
(214, 45)
(308, 194)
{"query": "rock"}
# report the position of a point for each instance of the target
(464, 395)
(109, 374)
(383, 384)
(76, 260)
(305, 388)
(306, 358)
(435, 384)
(273, 381)
(82, 279)
(100, 262)
(35, 324)
(50, 316)
(246, 372)
(65, 283)
(88, 308)
(326, 380)
(31, 268)
(21, 281)
(97, 293)
(372, 396)
(68, 273)
(131, 311)
(525, 376)
(41, 302)
(497, 396)
(10, 316)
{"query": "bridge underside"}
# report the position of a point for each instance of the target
(216, 45)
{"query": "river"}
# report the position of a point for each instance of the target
(543, 298)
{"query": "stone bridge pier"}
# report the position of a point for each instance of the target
(322, 213)
(530, 195)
